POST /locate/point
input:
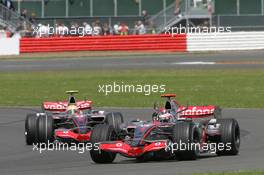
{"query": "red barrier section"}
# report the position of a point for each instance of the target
(105, 43)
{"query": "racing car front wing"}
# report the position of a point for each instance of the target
(131, 151)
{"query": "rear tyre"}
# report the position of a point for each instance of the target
(45, 127)
(101, 133)
(186, 133)
(31, 129)
(230, 137)
(114, 119)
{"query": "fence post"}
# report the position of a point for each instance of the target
(164, 13)
(238, 7)
(262, 7)
(218, 20)
(91, 8)
(110, 21)
(42, 9)
(115, 8)
(19, 7)
(187, 12)
(211, 20)
(67, 8)
(186, 7)
(139, 7)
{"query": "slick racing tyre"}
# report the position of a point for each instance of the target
(186, 133)
(229, 136)
(45, 127)
(114, 119)
(31, 129)
(101, 133)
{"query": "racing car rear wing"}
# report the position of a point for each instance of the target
(196, 111)
(61, 106)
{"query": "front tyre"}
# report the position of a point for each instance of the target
(45, 127)
(186, 133)
(101, 133)
(229, 136)
(31, 129)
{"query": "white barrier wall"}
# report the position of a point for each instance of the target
(9, 46)
(225, 41)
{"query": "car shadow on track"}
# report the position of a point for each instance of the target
(133, 160)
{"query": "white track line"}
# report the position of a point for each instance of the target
(194, 63)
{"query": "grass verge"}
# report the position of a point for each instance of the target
(235, 173)
(226, 88)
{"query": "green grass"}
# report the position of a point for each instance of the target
(235, 173)
(226, 88)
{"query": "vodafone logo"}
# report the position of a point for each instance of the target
(54, 106)
(198, 111)
(119, 145)
(157, 144)
(63, 105)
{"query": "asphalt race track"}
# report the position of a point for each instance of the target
(227, 60)
(17, 158)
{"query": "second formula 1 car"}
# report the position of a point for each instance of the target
(175, 131)
(66, 121)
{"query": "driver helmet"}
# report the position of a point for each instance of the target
(164, 115)
(72, 109)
